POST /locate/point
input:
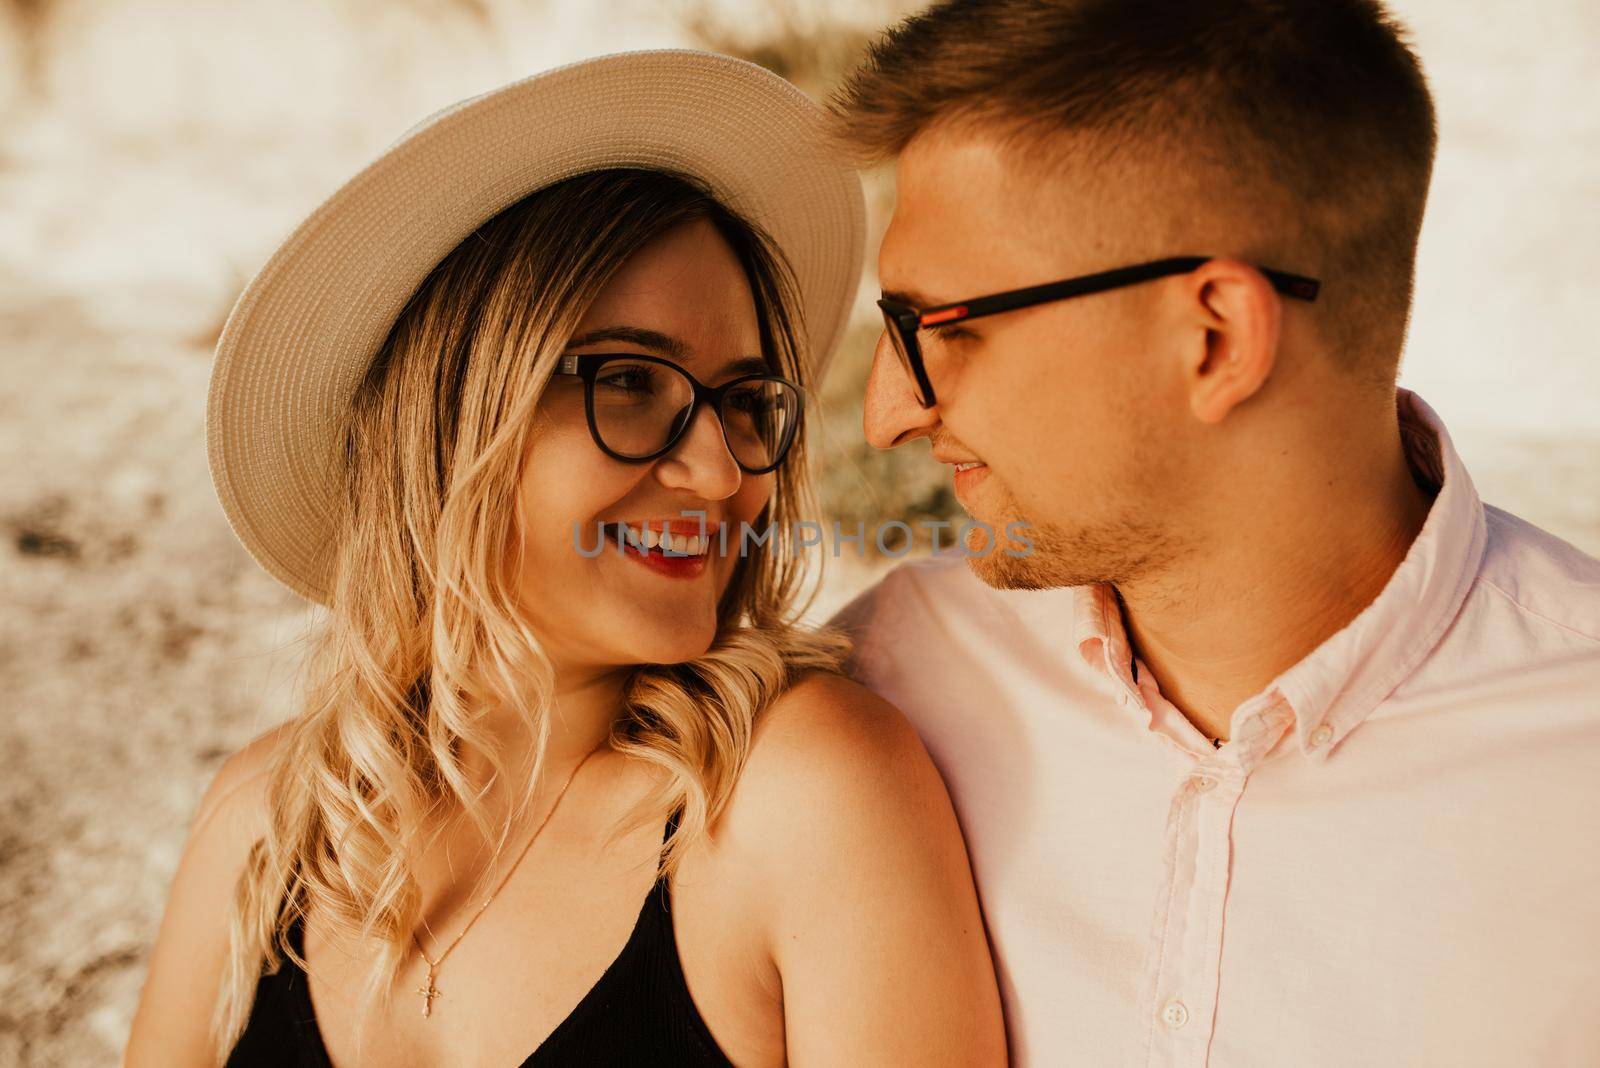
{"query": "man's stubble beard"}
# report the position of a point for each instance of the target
(1114, 551)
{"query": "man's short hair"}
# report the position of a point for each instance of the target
(1313, 109)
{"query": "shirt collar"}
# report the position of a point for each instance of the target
(1334, 688)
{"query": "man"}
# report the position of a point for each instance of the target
(1279, 747)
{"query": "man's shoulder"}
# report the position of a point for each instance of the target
(915, 596)
(934, 613)
(1546, 581)
(936, 577)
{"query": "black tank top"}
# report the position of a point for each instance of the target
(640, 1011)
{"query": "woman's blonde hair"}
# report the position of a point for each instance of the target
(423, 632)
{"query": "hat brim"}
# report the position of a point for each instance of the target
(305, 329)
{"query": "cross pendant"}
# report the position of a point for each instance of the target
(428, 993)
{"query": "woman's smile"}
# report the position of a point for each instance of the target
(667, 562)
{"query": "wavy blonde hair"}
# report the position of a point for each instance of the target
(423, 632)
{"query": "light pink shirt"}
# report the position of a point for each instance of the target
(1395, 861)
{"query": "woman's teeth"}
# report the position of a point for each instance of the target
(665, 540)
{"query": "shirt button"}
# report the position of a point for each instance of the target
(1174, 1015)
(1204, 783)
(1321, 735)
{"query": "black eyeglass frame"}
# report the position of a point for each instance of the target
(904, 321)
(588, 365)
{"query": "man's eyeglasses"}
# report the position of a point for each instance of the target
(639, 408)
(904, 323)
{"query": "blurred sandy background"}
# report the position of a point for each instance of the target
(153, 152)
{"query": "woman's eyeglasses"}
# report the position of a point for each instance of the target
(639, 407)
(904, 323)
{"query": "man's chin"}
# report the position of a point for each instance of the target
(1001, 562)
(1028, 556)
(1005, 572)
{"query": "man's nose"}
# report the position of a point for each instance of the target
(890, 413)
(701, 463)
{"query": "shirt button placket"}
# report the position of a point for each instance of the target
(1189, 939)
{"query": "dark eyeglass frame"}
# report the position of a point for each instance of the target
(903, 320)
(588, 366)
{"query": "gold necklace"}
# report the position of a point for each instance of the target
(429, 992)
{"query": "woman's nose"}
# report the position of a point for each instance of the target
(701, 463)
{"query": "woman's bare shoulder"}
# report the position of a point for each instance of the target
(832, 718)
(236, 796)
(836, 764)
(186, 961)
(841, 835)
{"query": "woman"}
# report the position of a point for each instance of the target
(544, 804)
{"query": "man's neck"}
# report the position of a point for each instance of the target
(1217, 630)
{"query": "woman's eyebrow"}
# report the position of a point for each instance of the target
(745, 365)
(669, 346)
(665, 344)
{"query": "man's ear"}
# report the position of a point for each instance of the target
(1239, 316)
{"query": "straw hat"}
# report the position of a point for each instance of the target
(305, 329)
